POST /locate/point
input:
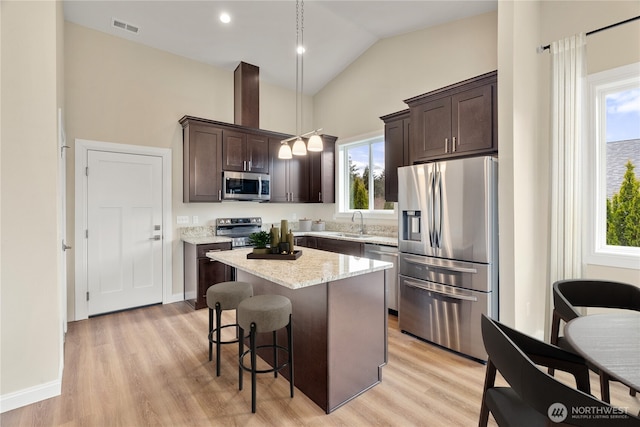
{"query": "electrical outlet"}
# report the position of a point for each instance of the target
(195, 219)
(182, 220)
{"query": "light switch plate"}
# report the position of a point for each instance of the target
(182, 220)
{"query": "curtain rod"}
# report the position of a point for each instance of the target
(635, 18)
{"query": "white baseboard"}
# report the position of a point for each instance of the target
(30, 395)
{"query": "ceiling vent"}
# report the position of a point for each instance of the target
(116, 23)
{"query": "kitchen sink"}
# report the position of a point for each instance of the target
(354, 235)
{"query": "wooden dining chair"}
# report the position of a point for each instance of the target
(569, 295)
(533, 397)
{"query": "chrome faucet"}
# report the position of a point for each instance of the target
(353, 218)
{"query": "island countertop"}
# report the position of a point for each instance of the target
(312, 268)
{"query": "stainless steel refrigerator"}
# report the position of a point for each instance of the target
(448, 243)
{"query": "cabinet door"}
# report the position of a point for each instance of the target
(322, 172)
(298, 179)
(257, 154)
(396, 140)
(431, 136)
(209, 273)
(472, 121)
(202, 178)
(234, 151)
(278, 173)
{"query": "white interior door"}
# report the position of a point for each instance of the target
(124, 231)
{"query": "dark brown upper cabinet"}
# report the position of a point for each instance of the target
(455, 121)
(202, 163)
(322, 172)
(397, 128)
(245, 152)
(211, 147)
(289, 177)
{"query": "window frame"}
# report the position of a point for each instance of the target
(342, 172)
(599, 85)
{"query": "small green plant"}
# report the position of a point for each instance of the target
(260, 239)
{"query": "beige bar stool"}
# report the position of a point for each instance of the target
(264, 313)
(224, 296)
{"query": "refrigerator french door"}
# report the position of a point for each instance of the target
(448, 243)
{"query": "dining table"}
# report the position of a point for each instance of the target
(611, 343)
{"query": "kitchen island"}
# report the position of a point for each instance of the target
(339, 318)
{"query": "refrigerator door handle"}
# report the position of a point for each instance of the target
(420, 261)
(430, 218)
(417, 285)
(438, 229)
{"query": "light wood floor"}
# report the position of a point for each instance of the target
(150, 367)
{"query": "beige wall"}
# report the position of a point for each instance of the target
(123, 92)
(30, 290)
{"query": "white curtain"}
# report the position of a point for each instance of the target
(568, 83)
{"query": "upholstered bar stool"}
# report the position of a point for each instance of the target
(264, 313)
(224, 296)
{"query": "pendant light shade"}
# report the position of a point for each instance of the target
(285, 151)
(315, 143)
(299, 148)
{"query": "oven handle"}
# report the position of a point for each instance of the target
(417, 285)
(419, 261)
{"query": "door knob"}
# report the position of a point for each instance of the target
(155, 238)
(64, 246)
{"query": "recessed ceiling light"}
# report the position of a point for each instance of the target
(224, 17)
(300, 50)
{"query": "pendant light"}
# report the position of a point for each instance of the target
(315, 141)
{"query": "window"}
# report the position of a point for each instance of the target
(613, 166)
(361, 176)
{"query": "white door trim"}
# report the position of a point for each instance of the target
(82, 146)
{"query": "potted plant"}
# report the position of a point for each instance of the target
(260, 240)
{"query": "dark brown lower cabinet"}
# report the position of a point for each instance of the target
(200, 272)
(346, 247)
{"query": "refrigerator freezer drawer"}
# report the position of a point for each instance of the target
(478, 277)
(444, 315)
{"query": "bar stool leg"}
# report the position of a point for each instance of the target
(210, 331)
(218, 311)
(275, 353)
(252, 344)
(290, 339)
(240, 351)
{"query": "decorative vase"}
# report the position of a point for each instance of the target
(261, 251)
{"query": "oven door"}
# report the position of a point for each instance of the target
(444, 315)
(245, 186)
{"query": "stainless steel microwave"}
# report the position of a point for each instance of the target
(245, 186)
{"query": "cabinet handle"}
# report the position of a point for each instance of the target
(250, 165)
(446, 144)
(219, 194)
(319, 196)
(244, 165)
(453, 146)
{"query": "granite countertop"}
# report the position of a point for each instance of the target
(377, 240)
(312, 268)
(205, 240)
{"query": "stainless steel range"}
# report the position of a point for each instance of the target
(238, 229)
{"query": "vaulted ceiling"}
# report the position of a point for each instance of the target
(263, 33)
